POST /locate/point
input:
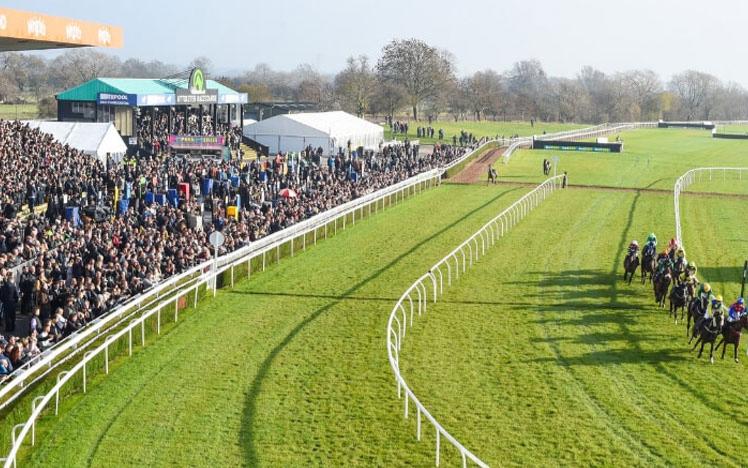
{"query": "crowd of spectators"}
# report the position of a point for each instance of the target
(59, 272)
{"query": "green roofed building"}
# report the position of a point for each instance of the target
(130, 103)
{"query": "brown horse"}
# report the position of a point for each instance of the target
(630, 264)
(648, 266)
(661, 286)
(731, 335)
(678, 300)
(696, 310)
(708, 331)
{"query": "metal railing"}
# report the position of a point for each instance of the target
(697, 175)
(431, 284)
(267, 248)
(589, 132)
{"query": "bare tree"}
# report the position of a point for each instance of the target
(388, 98)
(696, 92)
(77, 66)
(527, 82)
(355, 85)
(644, 87)
(203, 63)
(483, 91)
(420, 69)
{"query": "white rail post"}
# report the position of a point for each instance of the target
(438, 435)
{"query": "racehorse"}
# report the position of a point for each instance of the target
(661, 286)
(708, 332)
(630, 264)
(648, 265)
(695, 311)
(678, 301)
(731, 335)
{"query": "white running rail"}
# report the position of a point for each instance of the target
(589, 132)
(697, 175)
(432, 283)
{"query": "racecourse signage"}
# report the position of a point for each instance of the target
(562, 145)
(117, 99)
(196, 142)
(197, 91)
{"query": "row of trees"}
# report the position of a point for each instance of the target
(414, 77)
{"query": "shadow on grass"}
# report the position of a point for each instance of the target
(610, 357)
(246, 434)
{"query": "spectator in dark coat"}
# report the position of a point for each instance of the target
(9, 300)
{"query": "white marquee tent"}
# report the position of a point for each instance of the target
(329, 130)
(96, 139)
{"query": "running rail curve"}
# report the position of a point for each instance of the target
(694, 175)
(432, 283)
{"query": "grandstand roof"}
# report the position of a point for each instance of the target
(141, 86)
(24, 30)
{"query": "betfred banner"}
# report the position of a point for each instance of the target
(116, 99)
(196, 142)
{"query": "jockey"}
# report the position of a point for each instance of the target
(680, 264)
(689, 276)
(715, 315)
(704, 296)
(663, 263)
(672, 247)
(651, 246)
(736, 311)
(633, 247)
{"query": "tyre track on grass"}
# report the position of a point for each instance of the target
(613, 426)
(247, 436)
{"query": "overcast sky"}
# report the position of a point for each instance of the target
(666, 36)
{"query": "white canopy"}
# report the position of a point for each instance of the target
(329, 130)
(94, 138)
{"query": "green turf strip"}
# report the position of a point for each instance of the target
(288, 369)
(651, 158)
(542, 356)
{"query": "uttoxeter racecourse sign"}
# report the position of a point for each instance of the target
(197, 91)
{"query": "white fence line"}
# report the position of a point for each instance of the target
(589, 132)
(268, 248)
(432, 284)
(697, 175)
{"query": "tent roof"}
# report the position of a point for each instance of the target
(89, 90)
(332, 124)
(89, 137)
(341, 122)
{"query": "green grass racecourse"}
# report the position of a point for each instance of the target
(650, 158)
(484, 128)
(540, 355)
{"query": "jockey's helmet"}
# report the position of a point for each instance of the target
(717, 300)
(707, 287)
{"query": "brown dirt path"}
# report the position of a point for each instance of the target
(477, 171)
